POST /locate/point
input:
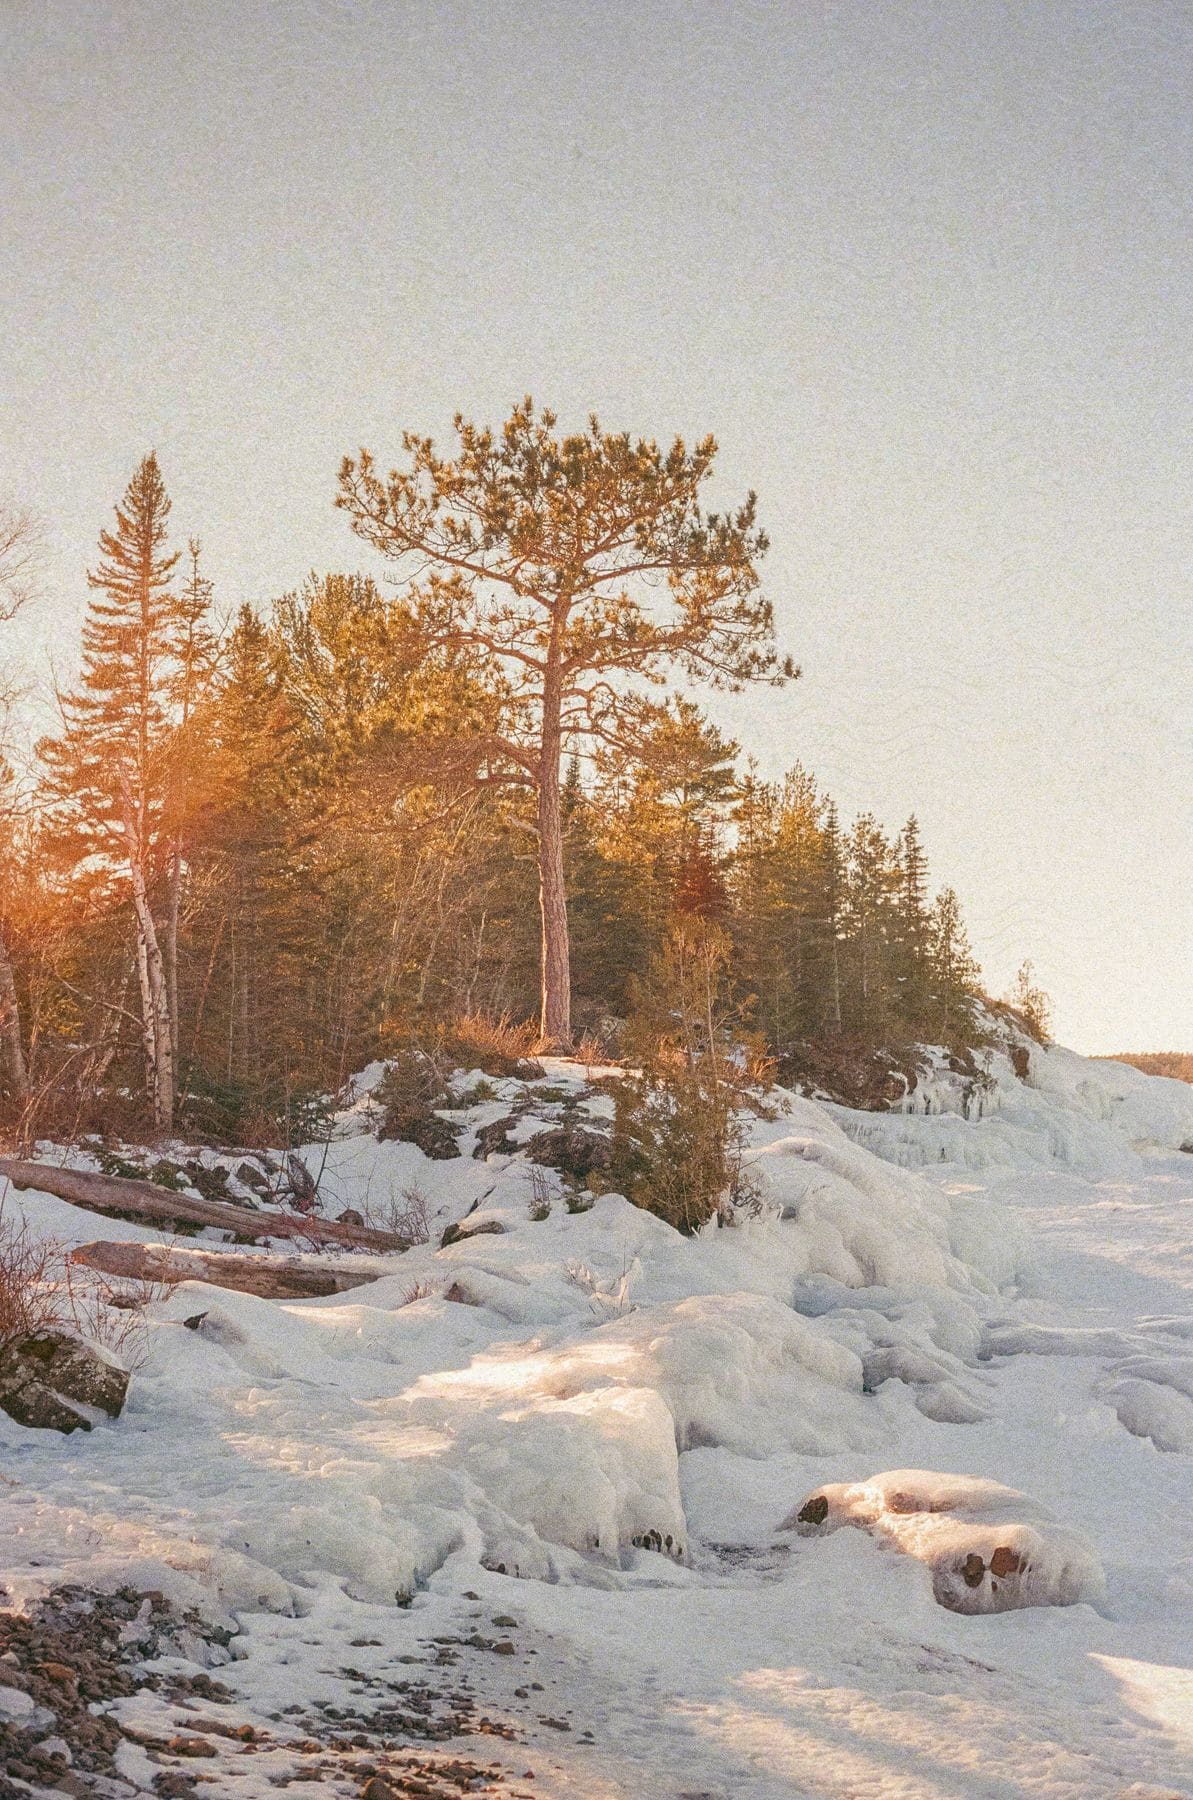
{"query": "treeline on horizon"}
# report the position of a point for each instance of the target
(1176, 1064)
(257, 852)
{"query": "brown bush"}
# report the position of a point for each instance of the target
(31, 1271)
(495, 1046)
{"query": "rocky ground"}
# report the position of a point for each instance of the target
(69, 1670)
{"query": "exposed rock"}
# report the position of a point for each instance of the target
(1006, 1562)
(989, 1549)
(459, 1295)
(573, 1149)
(41, 1375)
(251, 1176)
(850, 1071)
(211, 1183)
(434, 1136)
(190, 1746)
(495, 1140)
(457, 1234)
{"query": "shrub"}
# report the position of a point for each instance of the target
(245, 1113)
(42, 1291)
(408, 1094)
(30, 1269)
(406, 1214)
(495, 1046)
(540, 1195)
(678, 1128)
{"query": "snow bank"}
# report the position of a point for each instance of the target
(1151, 1409)
(523, 1397)
(989, 1548)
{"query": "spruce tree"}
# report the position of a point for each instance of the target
(871, 887)
(108, 766)
(953, 967)
(911, 959)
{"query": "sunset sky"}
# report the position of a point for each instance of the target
(924, 269)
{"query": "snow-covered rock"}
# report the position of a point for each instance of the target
(989, 1549)
(1031, 1105)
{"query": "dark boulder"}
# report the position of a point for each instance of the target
(47, 1378)
(574, 1150)
(459, 1234)
(495, 1140)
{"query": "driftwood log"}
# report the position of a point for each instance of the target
(120, 1196)
(271, 1277)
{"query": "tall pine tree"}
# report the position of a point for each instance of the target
(108, 766)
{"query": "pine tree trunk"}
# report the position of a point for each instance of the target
(16, 1073)
(159, 1037)
(108, 1053)
(836, 982)
(555, 1024)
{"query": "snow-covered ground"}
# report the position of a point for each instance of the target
(581, 1442)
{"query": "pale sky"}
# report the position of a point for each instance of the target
(924, 269)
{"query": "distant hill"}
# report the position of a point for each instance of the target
(1176, 1063)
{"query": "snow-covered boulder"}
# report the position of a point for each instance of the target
(989, 1548)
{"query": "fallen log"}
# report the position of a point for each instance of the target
(271, 1277)
(117, 1194)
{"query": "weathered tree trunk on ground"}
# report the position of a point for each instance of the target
(270, 1277)
(555, 1023)
(118, 1195)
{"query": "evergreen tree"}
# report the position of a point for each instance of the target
(586, 570)
(1032, 1003)
(194, 650)
(108, 766)
(869, 905)
(911, 960)
(954, 970)
(832, 884)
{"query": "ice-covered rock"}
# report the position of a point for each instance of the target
(988, 1548)
(1032, 1104)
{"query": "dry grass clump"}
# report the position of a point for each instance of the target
(407, 1214)
(41, 1290)
(495, 1046)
